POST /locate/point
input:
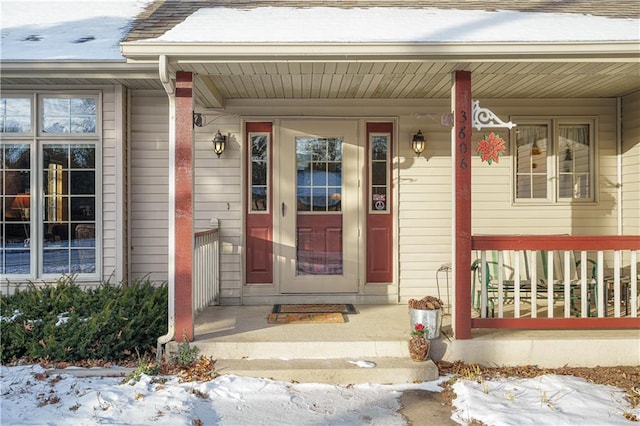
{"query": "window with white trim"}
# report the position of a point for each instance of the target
(49, 185)
(554, 160)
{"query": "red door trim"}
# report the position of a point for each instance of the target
(259, 225)
(379, 234)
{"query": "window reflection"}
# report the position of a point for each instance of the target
(319, 174)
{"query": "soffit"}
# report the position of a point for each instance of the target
(410, 80)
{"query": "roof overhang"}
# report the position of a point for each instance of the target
(149, 51)
(107, 70)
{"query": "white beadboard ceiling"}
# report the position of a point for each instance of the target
(414, 80)
(217, 82)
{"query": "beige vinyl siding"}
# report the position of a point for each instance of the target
(149, 179)
(218, 194)
(424, 185)
(112, 141)
(493, 210)
(631, 164)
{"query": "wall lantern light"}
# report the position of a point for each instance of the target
(219, 142)
(418, 143)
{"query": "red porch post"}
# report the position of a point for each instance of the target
(461, 153)
(184, 206)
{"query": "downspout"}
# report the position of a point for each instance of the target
(169, 87)
(619, 161)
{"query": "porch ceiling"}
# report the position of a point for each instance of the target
(358, 79)
(415, 80)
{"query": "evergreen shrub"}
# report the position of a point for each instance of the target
(63, 322)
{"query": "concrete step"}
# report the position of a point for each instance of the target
(342, 371)
(301, 349)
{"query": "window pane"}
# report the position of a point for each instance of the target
(15, 209)
(531, 161)
(83, 182)
(574, 160)
(582, 187)
(15, 115)
(69, 189)
(16, 259)
(319, 199)
(69, 115)
(565, 186)
(83, 208)
(319, 183)
(539, 186)
(379, 198)
(259, 172)
(523, 186)
(304, 198)
(83, 157)
(56, 154)
(83, 261)
(16, 156)
(379, 148)
(379, 173)
(335, 199)
(259, 147)
(56, 262)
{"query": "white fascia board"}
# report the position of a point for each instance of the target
(624, 51)
(74, 69)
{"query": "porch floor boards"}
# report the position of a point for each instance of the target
(233, 333)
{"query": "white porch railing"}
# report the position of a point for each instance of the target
(206, 269)
(559, 283)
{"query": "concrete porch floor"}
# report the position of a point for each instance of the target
(242, 342)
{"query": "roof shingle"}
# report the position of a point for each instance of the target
(162, 15)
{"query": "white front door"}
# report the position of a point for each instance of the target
(317, 206)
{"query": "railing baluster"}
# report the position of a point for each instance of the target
(567, 284)
(533, 255)
(616, 283)
(484, 284)
(550, 288)
(600, 284)
(584, 294)
(634, 283)
(501, 254)
(516, 284)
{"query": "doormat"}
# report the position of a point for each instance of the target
(333, 317)
(314, 308)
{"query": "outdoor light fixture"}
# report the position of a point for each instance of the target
(418, 143)
(219, 142)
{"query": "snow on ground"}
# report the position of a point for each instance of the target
(30, 398)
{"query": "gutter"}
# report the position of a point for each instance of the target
(169, 87)
(207, 52)
(70, 69)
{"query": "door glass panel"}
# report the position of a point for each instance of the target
(319, 195)
(259, 171)
(379, 173)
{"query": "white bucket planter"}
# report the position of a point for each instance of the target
(430, 318)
